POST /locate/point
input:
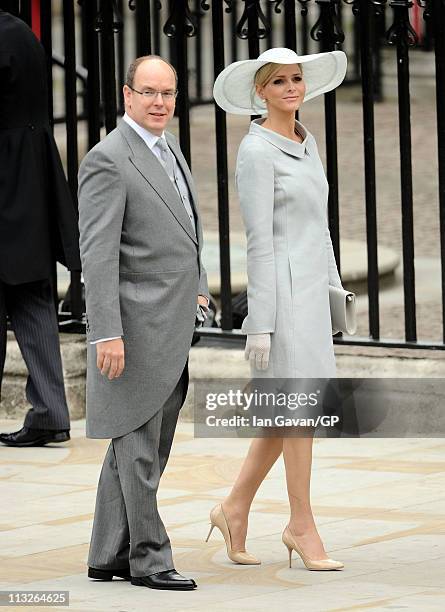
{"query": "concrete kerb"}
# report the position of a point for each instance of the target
(213, 363)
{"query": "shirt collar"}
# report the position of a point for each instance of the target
(148, 137)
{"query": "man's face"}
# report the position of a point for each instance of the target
(152, 113)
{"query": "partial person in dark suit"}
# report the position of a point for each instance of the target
(38, 224)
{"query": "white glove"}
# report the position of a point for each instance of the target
(257, 350)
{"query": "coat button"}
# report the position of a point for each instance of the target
(31, 126)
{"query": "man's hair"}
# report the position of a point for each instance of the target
(134, 66)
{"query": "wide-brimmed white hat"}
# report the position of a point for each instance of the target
(234, 89)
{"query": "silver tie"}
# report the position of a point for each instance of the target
(167, 159)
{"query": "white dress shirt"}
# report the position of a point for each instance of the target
(149, 138)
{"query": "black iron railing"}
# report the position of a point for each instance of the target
(112, 32)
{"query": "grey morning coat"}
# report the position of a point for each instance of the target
(143, 273)
(283, 195)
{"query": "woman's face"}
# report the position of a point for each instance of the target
(285, 90)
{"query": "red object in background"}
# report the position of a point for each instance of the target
(416, 22)
(35, 17)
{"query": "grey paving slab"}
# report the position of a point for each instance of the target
(377, 510)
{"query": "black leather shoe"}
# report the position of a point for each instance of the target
(107, 575)
(168, 580)
(34, 437)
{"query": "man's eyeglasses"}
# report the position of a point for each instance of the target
(151, 93)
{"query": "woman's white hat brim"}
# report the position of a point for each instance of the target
(234, 89)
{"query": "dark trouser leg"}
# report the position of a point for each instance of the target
(126, 505)
(34, 321)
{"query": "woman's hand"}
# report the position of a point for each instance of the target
(257, 350)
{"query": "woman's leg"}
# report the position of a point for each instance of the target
(263, 452)
(297, 452)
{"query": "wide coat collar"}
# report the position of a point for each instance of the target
(149, 166)
(291, 147)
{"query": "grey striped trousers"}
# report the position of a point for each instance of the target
(30, 307)
(127, 529)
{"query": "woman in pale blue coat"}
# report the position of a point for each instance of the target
(283, 195)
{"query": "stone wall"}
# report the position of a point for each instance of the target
(211, 364)
(14, 404)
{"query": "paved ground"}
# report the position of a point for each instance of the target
(379, 507)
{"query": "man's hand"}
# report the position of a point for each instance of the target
(202, 308)
(110, 358)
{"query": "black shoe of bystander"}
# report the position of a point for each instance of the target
(34, 437)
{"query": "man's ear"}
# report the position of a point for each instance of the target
(127, 95)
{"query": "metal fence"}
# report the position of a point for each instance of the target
(100, 37)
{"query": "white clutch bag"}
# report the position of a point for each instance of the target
(343, 311)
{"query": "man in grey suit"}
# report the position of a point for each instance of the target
(140, 244)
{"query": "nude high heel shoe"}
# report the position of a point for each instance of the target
(311, 564)
(218, 519)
